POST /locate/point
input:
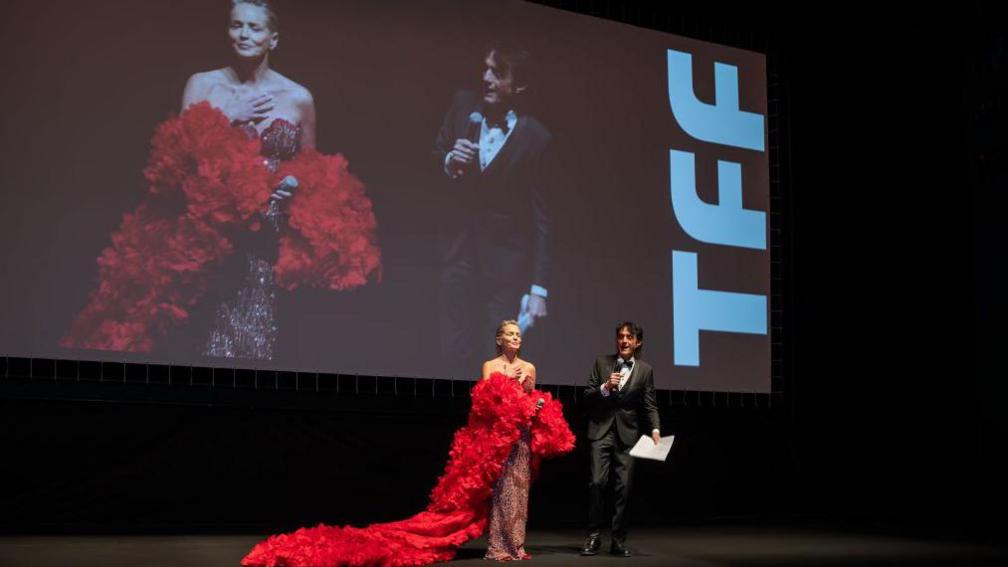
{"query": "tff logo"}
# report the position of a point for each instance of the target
(726, 223)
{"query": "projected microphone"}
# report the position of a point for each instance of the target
(472, 135)
(289, 184)
(473, 129)
(273, 214)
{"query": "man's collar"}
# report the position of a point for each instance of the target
(507, 122)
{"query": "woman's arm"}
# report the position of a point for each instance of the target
(530, 377)
(487, 369)
(306, 106)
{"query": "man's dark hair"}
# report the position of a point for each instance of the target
(635, 330)
(514, 58)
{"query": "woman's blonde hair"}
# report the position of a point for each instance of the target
(271, 16)
(500, 332)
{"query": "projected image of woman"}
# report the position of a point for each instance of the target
(239, 204)
(485, 485)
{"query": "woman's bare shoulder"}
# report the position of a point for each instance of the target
(208, 79)
(296, 91)
(201, 84)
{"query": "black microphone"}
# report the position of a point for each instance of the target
(540, 403)
(618, 366)
(474, 127)
(288, 184)
(472, 134)
(616, 369)
(273, 215)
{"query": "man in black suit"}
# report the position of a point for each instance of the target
(620, 392)
(494, 226)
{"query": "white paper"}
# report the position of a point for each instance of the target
(646, 448)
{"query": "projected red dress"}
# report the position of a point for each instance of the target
(460, 502)
(208, 187)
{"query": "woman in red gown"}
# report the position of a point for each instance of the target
(511, 428)
(509, 502)
(234, 179)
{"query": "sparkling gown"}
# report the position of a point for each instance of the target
(490, 465)
(509, 504)
(245, 325)
(207, 217)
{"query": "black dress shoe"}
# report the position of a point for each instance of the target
(618, 550)
(592, 545)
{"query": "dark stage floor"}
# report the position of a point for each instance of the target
(673, 547)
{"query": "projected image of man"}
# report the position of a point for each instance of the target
(494, 237)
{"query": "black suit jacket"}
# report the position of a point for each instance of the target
(502, 212)
(625, 407)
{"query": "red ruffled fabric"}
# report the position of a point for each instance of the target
(207, 179)
(332, 244)
(460, 501)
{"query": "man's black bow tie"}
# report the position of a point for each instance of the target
(627, 363)
(495, 123)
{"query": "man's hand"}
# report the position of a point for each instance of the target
(536, 306)
(613, 381)
(462, 156)
(656, 436)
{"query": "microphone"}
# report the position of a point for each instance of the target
(472, 135)
(540, 403)
(615, 370)
(273, 214)
(289, 184)
(474, 126)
